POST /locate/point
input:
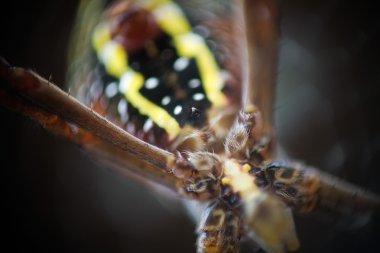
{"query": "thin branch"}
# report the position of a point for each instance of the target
(261, 18)
(341, 196)
(117, 159)
(49, 98)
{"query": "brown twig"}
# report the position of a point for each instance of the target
(49, 102)
(261, 23)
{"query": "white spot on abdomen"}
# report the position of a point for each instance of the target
(148, 125)
(165, 100)
(177, 110)
(198, 96)
(122, 107)
(151, 83)
(194, 83)
(181, 63)
(111, 90)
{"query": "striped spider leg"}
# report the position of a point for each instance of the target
(239, 180)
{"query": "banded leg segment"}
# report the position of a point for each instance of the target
(247, 139)
(308, 189)
(219, 230)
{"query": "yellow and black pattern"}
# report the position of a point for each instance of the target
(219, 230)
(171, 80)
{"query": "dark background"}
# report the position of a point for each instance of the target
(55, 199)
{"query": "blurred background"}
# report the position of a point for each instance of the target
(56, 199)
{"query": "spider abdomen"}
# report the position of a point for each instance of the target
(155, 75)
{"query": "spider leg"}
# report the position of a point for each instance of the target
(115, 157)
(261, 22)
(219, 230)
(253, 132)
(48, 96)
(308, 189)
(270, 223)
